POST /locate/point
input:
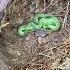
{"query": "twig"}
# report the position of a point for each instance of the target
(66, 15)
(52, 54)
(45, 55)
(44, 4)
(48, 5)
(4, 25)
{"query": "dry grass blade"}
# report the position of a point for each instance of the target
(66, 15)
(44, 4)
(44, 55)
(48, 5)
(4, 25)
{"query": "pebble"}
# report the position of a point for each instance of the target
(41, 33)
(41, 40)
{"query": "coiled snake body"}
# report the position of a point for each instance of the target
(44, 21)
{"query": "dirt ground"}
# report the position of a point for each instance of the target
(33, 52)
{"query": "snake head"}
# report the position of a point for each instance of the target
(25, 29)
(22, 30)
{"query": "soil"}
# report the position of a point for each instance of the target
(50, 51)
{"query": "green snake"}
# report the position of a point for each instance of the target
(40, 21)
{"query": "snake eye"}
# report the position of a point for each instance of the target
(23, 30)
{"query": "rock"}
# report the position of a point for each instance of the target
(3, 4)
(41, 33)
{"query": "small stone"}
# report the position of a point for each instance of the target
(41, 40)
(41, 33)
